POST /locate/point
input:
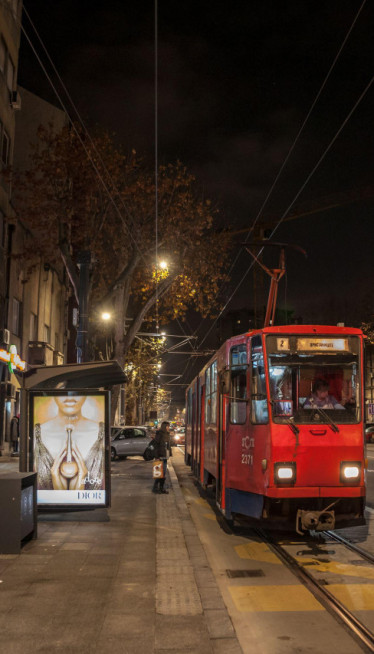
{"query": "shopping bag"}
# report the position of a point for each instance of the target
(158, 469)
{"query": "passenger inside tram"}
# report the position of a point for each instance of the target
(296, 390)
(320, 397)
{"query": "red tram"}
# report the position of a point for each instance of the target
(275, 422)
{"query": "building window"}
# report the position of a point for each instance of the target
(2, 229)
(57, 342)
(10, 74)
(16, 317)
(5, 148)
(2, 55)
(33, 327)
(47, 333)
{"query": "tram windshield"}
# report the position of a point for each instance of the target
(314, 380)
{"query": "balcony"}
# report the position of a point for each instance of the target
(40, 354)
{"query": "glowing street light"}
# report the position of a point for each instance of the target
(106, 316)
(163, 264)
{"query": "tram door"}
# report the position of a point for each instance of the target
(220, 439)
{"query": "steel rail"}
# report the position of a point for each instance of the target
(351, 546)
(358, 630)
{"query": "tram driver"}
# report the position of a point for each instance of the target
(320, 397)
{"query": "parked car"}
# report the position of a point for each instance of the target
(369, 432)
(128, 441)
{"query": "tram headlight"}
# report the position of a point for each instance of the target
(350, 471)
(285, 472)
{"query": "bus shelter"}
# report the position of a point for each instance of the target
(65, 432)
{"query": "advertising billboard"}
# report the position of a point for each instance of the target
(70, 432)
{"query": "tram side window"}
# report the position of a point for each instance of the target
(189, 406)
(259, 406)
(238, 388)
(211, 394)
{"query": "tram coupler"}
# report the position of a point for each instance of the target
(314, 520)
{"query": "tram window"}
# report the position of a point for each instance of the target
(211, 394)
(238, 355)
(300, 390)
(238, 397)
(189, 406)
(259, 406)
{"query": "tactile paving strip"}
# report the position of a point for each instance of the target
(176, 590)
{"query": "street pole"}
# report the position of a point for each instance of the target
(84, 261)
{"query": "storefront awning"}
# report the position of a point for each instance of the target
(95, 374)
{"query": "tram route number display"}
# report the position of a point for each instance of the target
(314, 344)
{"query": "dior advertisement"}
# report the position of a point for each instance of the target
(69, 447)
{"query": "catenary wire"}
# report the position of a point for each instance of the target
(301, 129)
(328, 148)
(104, 184)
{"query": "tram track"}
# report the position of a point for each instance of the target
(349, 545)
(362, 634)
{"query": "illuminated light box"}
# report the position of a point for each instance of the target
(70, 432)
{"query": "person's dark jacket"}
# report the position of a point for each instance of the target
(162, 444)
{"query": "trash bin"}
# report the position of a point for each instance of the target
(18, 510)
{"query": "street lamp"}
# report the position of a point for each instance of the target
(106, 315)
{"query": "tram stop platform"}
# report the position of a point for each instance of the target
(133, 578)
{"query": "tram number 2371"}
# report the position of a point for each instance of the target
(247, 459)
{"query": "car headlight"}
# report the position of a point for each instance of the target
(285, 472)
(350, 471)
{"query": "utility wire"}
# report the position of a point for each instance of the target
(345, 121)
(289, 153)
(58, 96)
(156, 158)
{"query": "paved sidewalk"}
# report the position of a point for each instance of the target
(133, 578)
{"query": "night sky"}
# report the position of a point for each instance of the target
(236, 82)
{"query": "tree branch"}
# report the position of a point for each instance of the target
(125, 273)
(136, 323)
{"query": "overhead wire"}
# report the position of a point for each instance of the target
(81, 122)
(156, 156)
(284, 164)
(283, 216)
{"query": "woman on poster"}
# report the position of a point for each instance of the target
(69, 448)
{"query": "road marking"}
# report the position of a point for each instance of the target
(356, 597)
(274, 598)
(257, 552)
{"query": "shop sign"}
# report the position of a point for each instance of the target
(13, 359)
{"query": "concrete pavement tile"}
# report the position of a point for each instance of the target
(117, 624)
(125, 645)
(103, 559)
(219, 623)
(98, 572)
(228, 646)
(128, 597)
(173, 631)
(212, 601)
(85, 546)
(110, 548)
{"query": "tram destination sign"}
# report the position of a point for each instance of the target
(322, 344)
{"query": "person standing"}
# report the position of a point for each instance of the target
(14, 433)
(162, 450)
